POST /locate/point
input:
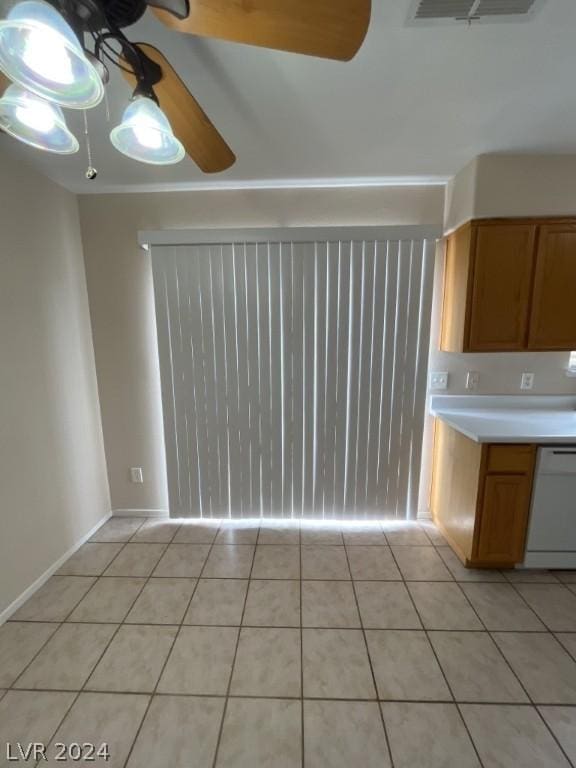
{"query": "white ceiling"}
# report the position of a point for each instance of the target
(415, 102)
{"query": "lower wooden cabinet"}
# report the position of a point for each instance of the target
(503, 518)
(481, 497)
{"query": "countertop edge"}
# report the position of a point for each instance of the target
(452, 421)
(458, 427)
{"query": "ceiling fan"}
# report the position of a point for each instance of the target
(57, 54)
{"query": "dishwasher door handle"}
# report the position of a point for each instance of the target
(557, 461)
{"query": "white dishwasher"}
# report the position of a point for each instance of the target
(551, 541)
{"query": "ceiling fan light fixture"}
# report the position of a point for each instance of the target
(35, 122)
(146, 135)
(39, 51)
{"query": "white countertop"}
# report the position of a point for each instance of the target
(547, 420)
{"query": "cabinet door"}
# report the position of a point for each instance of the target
(504, 519)
(553, 318)
(500, 303)
(456, 284)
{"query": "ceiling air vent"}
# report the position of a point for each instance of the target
(433, 12)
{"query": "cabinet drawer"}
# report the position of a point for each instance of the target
(510, 458)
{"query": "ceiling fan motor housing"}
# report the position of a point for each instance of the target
(97, 15)
(123, 13)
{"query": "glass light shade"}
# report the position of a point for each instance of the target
(145, 134)
(40, 51)
(36, 122)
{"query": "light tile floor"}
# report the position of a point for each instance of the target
(279, 644)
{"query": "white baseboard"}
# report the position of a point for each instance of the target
(140, 513)
(41, 580)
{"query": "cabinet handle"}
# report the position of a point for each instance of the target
(564, 453)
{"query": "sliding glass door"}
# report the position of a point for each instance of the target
(294, 375)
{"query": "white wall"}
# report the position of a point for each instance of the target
(511, 185)
(122, 305)
(53, 484)
(460, 199)
(526, 185)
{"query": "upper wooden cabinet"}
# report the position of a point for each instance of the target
(510, 285)
(503, 267)
(553, 317)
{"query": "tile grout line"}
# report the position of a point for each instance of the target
(276, 578)
(507, 662)
(65, 619)
(535, 706)
(118, 626)
(225, 709)
(75, 694)
(512, 584)
(159, 694)
(177, 633)
(530, 703)
(99, 659)
(134, 540)
(474, 747)
(115, 633)
(374, 683)
(516, 631)
(60, 625)
(295, 626)
(521, 596)
(547, 629)
(509, 665)
(570, 653)
(551, 732)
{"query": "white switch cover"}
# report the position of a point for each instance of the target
(136, 475)
(439, 380)
(472, 379)
(527, 381)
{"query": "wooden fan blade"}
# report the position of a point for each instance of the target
(331, 29)
(4, 83)
(189, 122)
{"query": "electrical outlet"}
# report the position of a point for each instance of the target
(527, 381)
(439, 380)
(472, 379)
(136, 475)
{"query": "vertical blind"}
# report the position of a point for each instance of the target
(294, 376)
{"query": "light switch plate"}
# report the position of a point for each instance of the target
(439, 380)
(136, 475)
(472, 379)
(527, 381)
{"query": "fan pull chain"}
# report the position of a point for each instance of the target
(91, 172)
(107, 106)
